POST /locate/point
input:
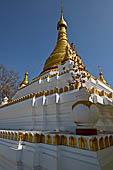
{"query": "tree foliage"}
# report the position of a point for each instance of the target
(9, 82)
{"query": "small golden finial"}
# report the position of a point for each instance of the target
(101, 75)
(102, 78)
(25, 81)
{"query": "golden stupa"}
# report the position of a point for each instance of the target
(59, 52)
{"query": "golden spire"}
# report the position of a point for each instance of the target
(59, 52)
(25, 82)
(61, 7)
(103, 80)
(62, 22)
(101, 77)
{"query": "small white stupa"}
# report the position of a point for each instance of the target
(5, 100)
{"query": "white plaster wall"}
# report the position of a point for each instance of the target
(48, 116)
(39, 86)
(53, 112)
(17, 116)
(49, 157)
(7, 155)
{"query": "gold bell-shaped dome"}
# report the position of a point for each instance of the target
(59, 51)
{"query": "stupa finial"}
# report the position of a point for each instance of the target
(25, 82)
(61, 7)
(62, 22)
(101, 75)
(99, 68)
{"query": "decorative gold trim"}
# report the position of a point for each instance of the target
(66, 89)
(102, 93)
(110, 95)
(86, 103)
(60, 139)
(44, 92)
(51, 91)
(61, 90)
(77, 85)
(97, 92)
(56, 90)
(92, 91)
(71, 87)
(47, 93)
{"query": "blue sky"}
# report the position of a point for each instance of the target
(28, 33)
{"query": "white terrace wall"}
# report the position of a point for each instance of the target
(17, 116)
(48, 157)
(52, 112)
(48, 113)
